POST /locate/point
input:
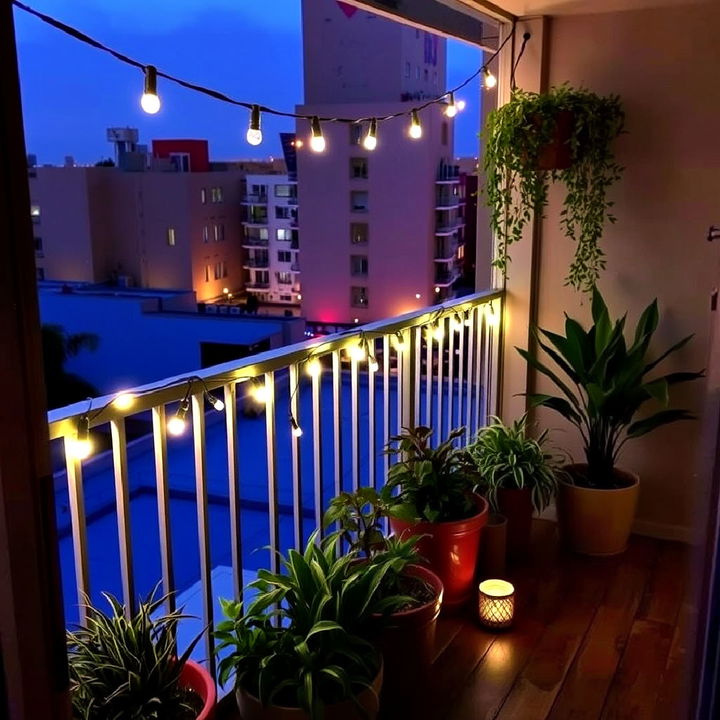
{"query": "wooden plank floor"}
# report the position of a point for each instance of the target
(594, 639)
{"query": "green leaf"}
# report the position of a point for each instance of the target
(664, 417)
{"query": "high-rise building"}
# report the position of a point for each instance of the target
(381, 229)
(162, 220)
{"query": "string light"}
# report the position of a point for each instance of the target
(317, 140)
(81, 446)
(373, 365)
(259, 392)
(296, 429)
(357, 352)
(418, 296)
(437, 290)
(313, 368)
(438, 332)
(370, 141)
(150, 102)
(177, 423)
(451, 109)
(216, 402)
(124, 400)
(489, 80)
(491, 317)
(254, 134)
(415, 131)
(226, 291)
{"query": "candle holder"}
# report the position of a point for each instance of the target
(496, 604)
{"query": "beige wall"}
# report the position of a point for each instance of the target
(664, 63)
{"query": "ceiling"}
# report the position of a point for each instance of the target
(576, 7)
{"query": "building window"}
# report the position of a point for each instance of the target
(358, 168)
(444, 133)
(40, 273)
(286, 298)
(407, 69)
(216, 194)
(205, 234)
(358, 265)
(284, 278)
(35, 213)
(171, 236)
(283, 212)
(359, 233)
(218, 232)
(263, 233)
(207, 273)
(262, 276)
(259, 190)
(203, 196)
(426, 75)
(284, 256)
(284, 191)
(38, 245)
(181, 161)
(283, 233)
(358, 296)
(461, 252)
(358, 201)
(356, 134)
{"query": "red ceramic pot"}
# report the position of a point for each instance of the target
(451, 550)
(516, 505)
(364, 706)
(196, 678)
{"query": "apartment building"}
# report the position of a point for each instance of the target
(270, 239)
(389, 222)
(164, 220)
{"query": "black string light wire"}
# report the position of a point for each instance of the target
(150, 99)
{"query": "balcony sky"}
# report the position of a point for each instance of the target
(252, 50)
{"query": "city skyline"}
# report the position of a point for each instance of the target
(90, 91)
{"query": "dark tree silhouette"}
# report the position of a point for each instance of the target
(62, 387)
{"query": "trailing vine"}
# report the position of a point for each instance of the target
(516, 135)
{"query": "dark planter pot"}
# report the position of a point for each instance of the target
(516, 505)
(557, 154)
(194, 677)
(368, 701)
(407, 642)
(451, 550)
(595, 521)
(493, 550)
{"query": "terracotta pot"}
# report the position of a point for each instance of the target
(494, 547)
(369, 700)
(451, 549)
(407, 642)
(516, 505)
(196, 678)
(557, 154)
(594, 521)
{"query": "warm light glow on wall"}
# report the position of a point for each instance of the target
(492, 318)
(124, 401)
(496, 604)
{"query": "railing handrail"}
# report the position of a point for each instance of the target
(63, 421)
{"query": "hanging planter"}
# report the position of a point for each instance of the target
(563, 135)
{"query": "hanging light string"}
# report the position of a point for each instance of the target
(151, 74)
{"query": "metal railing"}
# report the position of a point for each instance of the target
(181, 496)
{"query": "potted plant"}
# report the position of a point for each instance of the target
(430, 493)
(304, 658)
(608, 387)
(406, 635)
(564, 135)
(127, 668)
(518, 476)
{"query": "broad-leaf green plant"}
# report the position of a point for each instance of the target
(610, 379)
(507, 457)
(127, 668)
(515, 188)
(427, 483)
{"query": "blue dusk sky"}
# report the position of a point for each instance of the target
(249, 49)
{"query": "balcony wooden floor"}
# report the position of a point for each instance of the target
(593, 639)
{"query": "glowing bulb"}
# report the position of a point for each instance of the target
(373, 364)
(356, 320)
(357, 352)
(259, 393)
(81, 449)
(150, 102)
(415, 131)
(216, 402)
(123, 400)
(451, 109)
(399, 342)
(176, 425)
(468, 319)
(299, 143)
(225, 291)
(438, 332)
(418, 296)
(314, 368)
(229, 296)
(299, 296)
(437, 290)
(317, 141)
(460, 105)
(370, 141)
(296, 429)
(491, 317)
(489, 80)
(254, 133)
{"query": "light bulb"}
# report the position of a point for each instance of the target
(296, 429)
(370, 141)
(150, 102)
(216, 402)
(415, 130)
(489, 80)
(176, 425)
(437, 290)
(373, 364)
(314, 368)
(438, 332)
(298, 144)
(460, 105)
(81, 449)
(317, 141)
(259, 392)
(418, 296)
(254, 134)
(451, 109)
(123, 400)
(225, 291)
(357, 352)
(299, 296)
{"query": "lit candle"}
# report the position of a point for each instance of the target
(496, 604)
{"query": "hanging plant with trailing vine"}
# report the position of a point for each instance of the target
(517, 138)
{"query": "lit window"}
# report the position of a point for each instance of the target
(284, 278)
(358, 201)
(205, 234)
(203, 196)
(358, 168)
(283, 234)
(263, 233)
(358, 296)
(358, 233)
(358, 265)
(171, 236)
(35, 213)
